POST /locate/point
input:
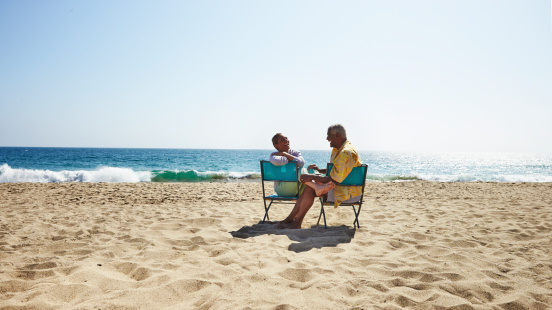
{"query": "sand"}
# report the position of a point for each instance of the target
(421, 245)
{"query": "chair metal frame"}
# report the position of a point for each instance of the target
(276, 198)
(349, 181)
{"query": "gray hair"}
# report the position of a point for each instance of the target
(338, 128)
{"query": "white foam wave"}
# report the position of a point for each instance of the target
(244, 175)
(104, 174)
(487, 178)
(228, 174)
(460, 178)
(127, 175)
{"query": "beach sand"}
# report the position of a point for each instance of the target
(421, 245)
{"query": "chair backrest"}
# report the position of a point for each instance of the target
(283, 173)
(357, 176)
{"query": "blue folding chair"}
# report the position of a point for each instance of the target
(357, 177)
(283, 173)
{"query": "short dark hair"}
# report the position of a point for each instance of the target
(275, 138)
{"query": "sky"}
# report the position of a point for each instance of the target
(458, 76)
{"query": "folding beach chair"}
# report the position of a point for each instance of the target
(284, 173)
(357, 177)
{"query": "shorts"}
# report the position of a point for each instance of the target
(289, 189)
(331, 198)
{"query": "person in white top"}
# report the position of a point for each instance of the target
(284, 156)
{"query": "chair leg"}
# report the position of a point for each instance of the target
(356, 216)
(322, 213)
(266, 210)
(325, 226)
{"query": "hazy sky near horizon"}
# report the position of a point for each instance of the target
(400, 75)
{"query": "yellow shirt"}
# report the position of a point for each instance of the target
(344, 160)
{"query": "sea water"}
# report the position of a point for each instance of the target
(30, 164)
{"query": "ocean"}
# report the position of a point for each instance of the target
(46, 165)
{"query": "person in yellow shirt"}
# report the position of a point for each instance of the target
(345, 158)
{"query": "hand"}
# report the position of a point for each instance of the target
(286, 154)
(315, 167)
(305, 178)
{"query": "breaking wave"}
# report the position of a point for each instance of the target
(116, 175)
(197, 176)
(127, 175)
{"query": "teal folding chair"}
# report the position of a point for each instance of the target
(283, 173)
(357, 177)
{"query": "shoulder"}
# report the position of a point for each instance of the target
(349, 148)
(348, 152)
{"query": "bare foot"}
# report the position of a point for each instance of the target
(324, 188)
(320, 188)
(292, 225)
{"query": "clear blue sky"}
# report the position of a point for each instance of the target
(400, 75)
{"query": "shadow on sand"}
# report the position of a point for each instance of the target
(307, 238)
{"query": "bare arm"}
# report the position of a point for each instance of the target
(317, 178)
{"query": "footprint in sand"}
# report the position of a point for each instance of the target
(133, 271)
(473, 293)
(183, 287)
(201, 222)
(297, 275)
(37, 271)
(302, 274)
(452, 276)
(14, 286)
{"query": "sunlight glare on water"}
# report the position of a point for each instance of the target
(197, 165)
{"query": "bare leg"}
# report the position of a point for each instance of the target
(302, 206)
(295, 209)
(320, 188)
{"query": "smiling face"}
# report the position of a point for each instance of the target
(333, 138)
(283, 144)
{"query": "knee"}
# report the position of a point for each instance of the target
(308, 191)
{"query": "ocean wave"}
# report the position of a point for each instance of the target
(391, 178)
(460, 178)
(117, 175)
(103, 174)
(127, 175)
(198, 176)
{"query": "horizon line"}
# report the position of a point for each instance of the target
(261, 149)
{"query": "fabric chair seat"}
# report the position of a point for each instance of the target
(357, 177)
(287, 177)
(331, 198)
